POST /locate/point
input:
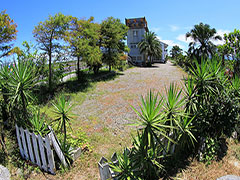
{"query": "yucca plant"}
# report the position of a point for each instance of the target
(186, 138)
(147, 161)
(174, 104)
(151, 121)
(62, 109)
(124, 168)
(38, 124)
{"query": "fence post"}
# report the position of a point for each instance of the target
(19, 141)
(104, 170)
(29, 143)
(24, 143)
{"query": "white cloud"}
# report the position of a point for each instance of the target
(182, 37)
(221, 33)
(174, 28)
(170, 42)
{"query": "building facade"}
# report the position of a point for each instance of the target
(137, 28)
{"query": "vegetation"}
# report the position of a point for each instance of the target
(150, 46)
(202, 46)
(46, 34)
(113, 34)
(195, 120)
(8, 33)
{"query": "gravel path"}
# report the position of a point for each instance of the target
(110, 103)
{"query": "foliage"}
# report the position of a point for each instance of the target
(210, 150)
(83, 38)
(176, 51)
(113, 34)
(202, 46)
(8, 33)
(78, 138)
(47, 34)
(124, 168)
(20, 82)
(38, 124)
(233, 47)
(62, 109)
(150, 46)
(67, 151)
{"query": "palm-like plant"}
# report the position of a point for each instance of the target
(38, 125)
(150, 46)
(63, 112)
(151, 122)
(18, 84)
(202, 34)
(124, 168)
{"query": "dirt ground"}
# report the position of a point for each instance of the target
(107, 109)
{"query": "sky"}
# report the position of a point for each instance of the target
(169, 19)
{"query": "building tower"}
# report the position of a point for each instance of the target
(137, 29)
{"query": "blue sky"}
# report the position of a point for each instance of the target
(169, 19)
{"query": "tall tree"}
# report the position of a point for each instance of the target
(150, 46)
(113, 34)
(202, 46)
(8, 33)
(47, 34)
(233, 45)
(83, 37)
(175, 51)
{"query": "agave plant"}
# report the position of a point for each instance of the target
(124, 168)
(147, 160)
(151, 121)
(173, 107)
(38, 125)
(62, 109)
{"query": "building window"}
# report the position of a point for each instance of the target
(135, 33)
(139, 58)
(133, 46)
(134, 58)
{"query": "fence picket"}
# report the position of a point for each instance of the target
(36, 149)
(24, 143)
(19, 141)
(29, 144)
(58, 150)
(50, 157)
(42, 152)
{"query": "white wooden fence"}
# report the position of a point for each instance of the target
(39, 150)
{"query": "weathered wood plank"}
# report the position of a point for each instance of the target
(58, 149)
(19, 141)
(50, 157)
(36, 150)
(42, 152)
(24, 143)
(29, 144)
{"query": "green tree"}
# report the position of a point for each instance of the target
(176, 51)
(8, 33)
(223, 50)
(202, 46)
(47, 34)
(233, 45)
(113, 34)
(150, 46)
(83, 37)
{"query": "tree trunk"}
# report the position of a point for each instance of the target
(50, 72)
(109, 68)
(78, 68)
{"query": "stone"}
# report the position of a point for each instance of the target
(229, 177)
(4, 173)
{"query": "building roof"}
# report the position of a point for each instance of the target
(137, 23)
